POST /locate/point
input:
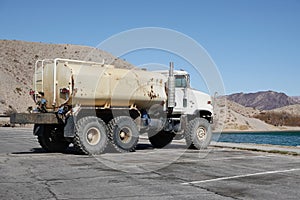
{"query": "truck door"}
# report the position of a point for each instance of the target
(181, 84)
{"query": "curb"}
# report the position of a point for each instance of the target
(286, 150)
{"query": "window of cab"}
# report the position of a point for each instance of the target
(181, 81)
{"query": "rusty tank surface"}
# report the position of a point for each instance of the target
(71, 82)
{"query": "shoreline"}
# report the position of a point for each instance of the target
(263, 130)
(268, 148)
(256, 131)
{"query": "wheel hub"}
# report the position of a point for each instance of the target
(93, 136)
(125, 135)
(201, 133)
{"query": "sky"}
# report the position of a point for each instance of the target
(255, 44)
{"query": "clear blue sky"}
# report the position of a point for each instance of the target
(254, 43)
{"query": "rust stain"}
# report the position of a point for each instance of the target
(152, 94)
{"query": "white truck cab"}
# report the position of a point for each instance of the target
(188, 100)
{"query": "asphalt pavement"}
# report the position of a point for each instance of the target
(219, 172)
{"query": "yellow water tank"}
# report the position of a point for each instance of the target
(99, 85)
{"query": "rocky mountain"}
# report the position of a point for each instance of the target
(17, 60)
(296, 98)
(265, 100)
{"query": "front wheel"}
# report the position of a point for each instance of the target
(198, 133)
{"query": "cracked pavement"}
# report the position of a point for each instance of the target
(27, 172)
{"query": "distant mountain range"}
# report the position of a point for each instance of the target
(264, 100)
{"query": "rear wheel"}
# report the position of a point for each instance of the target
(160, 139)
(198, 133)
(51, 137)
(90, 136)
(123, 134)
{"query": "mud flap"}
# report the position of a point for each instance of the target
(38, 129)
(182, 127)
(69, 127)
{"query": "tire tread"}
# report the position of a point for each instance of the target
(111, 126)
(79, 147)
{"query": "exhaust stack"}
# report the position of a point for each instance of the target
(171, 88)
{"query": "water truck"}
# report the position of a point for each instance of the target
(92, 104)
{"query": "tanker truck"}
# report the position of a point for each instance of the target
(93, 104)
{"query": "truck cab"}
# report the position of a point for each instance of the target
(189, 101)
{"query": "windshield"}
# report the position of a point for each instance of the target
(180, 81)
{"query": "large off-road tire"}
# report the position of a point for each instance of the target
(51, 137)
(123, 134)
(198, 133)
(160, 139)
(90, 136)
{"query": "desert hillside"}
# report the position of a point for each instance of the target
(237, 117)
(17, 59)
(293, 109)
(242, 118)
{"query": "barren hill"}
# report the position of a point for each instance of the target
(293, 109)
(266, 100)
(240, 118)
(17, 59)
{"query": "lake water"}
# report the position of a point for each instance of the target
(277, 138)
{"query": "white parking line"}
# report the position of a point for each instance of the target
(237, 157)
(241, 176)
(218, 159)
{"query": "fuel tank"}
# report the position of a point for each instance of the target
(71, 82)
